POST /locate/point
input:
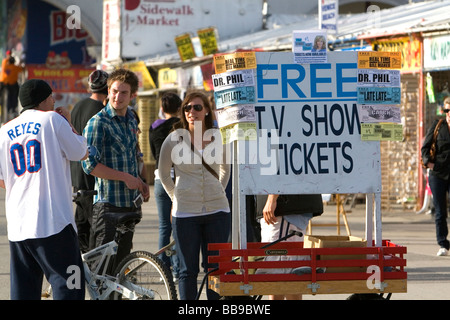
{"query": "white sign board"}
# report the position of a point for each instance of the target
(150, 26)
(111, 51)
(329, 15)
(308, 130)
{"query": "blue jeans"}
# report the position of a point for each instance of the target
(190, 234)
(164, 207)
(440, 188)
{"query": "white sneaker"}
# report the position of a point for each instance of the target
(442, 252)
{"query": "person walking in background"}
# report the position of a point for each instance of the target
(36, 148)
(81, 113)
(114, 161)
(200, 212)
(159, 130)
(281, 214)
(9, 83)
(436, 156)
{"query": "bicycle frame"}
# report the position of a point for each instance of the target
(99, 284)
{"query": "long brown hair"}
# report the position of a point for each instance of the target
(183, 123)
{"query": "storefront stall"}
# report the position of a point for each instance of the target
(400, 162)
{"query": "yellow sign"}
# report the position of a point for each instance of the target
(140, 69)
(235, 61)
(208, 40)
(381, 132)
(410, 49)
(379, 60)
(185, 46)
(167, 78)
(238, 131)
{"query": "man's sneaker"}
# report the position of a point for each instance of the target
(442, 252)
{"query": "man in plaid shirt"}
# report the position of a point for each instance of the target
(113, 160)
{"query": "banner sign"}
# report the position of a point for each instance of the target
(379, 113)
(309, 46)
(329, 14)
(410, 50)
(235, 61)
(379, 95)
(308, 130)
(378, 78)
(379, 60)
(241, 131)
(185, 46)
(61, 80)
(239, 95)
(381, 131)
(233, 79)
(208, 40)
(436, 52)
(235, 114)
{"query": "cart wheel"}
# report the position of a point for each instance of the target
(367, 296)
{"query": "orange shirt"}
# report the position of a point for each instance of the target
(10, 72)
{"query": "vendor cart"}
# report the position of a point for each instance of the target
(308, 140)
(375, 269)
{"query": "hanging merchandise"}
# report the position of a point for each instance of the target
(430, 89)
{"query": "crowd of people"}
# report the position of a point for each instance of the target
(96, 147)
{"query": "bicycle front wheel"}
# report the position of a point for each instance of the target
(146, 276)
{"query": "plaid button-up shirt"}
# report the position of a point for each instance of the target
(113, 142)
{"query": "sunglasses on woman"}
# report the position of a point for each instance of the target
(197, 107)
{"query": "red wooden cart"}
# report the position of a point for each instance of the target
(237, 278)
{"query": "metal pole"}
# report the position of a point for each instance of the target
(235, 225)
(369, 219)
(378, 235)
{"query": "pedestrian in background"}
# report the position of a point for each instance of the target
(436, 157)
(280, 215)
(114, 161)
(36, 149)
(159, 130)
(81, 113)
(200, 213)
(9, 83)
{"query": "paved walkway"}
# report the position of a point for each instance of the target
(428, 275)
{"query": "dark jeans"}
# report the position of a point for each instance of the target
(440, 188)
(104, 230)
(52, 256)
(190, 234)
(12, 96)
(164, 206)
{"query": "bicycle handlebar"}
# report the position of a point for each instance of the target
(84, 193)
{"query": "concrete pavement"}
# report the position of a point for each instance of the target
(428, 275)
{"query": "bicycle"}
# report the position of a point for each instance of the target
(140, 275)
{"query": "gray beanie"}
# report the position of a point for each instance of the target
(98, 81)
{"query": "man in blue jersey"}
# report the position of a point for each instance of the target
(35, 152)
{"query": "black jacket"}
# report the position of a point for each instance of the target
(80, 115)
(303, 203)
(158, 133)
(442, 160)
